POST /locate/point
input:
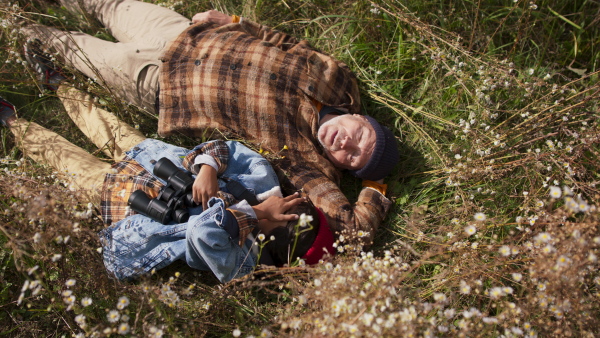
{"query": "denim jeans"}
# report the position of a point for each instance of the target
(137, 244)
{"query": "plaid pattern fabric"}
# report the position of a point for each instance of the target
(227, 198)
(218, 150)
(246, 223)
(128, 177)
(247, 80)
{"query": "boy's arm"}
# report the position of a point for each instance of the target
(267, 215)
(211, 236)
(207, 161)
(213, 153)
(205, 186)
(210, 243)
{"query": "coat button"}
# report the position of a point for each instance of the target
(153, 161)
(273, 76)
(311, 88)
(233, 67)
(197, 62)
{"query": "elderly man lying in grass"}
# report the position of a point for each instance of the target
(217, 234)
(226, 73)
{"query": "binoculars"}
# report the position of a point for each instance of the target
(173, 199)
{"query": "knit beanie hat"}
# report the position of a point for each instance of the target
(323, 242)
(385, 154)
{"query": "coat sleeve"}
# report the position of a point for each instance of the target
(279, 39)
(359, 221)
(283, 41)
(218, 150)
(210, 245)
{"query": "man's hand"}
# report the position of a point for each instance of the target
(205, 186)
(212, 16)
(274, 208)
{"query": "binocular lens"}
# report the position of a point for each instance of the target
(181, 215)
(172, 199)
(165, 168)
(153, 208)
(175, 177)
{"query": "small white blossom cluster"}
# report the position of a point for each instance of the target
(537, 264)
(34, 287)
(168, 295)
(374, 9)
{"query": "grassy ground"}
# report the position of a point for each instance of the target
(494, 229)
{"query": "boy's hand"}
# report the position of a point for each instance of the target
(267, 226)
(205, 186)
(274, 208)
(212, 16)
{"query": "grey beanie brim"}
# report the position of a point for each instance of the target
(385, 155)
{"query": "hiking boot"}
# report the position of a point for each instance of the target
(49, 75)
(7, 110)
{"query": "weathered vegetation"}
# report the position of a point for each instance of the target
(494, 230)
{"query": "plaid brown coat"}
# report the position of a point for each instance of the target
(247, 80)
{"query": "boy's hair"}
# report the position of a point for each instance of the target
(285, 236)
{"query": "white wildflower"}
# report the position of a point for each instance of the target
(122, 302)
(542, 237)
(480, 216)
(113, 316)
(86, 301)
(555, 192)
(504, 250)
(496, 292)
(465, 289)
(439, 297)
(123, 329)
(305, 220)
(470, 230)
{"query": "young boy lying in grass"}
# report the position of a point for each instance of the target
(221, 238)
(221, 232)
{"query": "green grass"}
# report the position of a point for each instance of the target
(493, 102)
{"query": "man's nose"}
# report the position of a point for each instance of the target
(347, 143)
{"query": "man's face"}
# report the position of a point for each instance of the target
(348, 141)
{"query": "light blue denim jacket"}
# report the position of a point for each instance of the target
(137, 244)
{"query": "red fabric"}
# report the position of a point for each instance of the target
(323, 243)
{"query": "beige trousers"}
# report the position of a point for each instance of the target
(130, 67)
(84, 170)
